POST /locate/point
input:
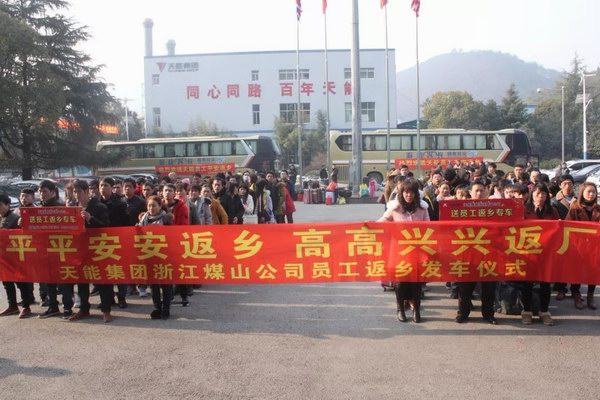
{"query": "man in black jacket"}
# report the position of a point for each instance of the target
(135, 204)
(95, 215)
(117, 216)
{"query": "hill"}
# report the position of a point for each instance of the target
(484, 74)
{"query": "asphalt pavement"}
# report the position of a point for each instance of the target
(339, 341)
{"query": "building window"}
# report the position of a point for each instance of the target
(365, 73)
(156, 79)
(254, 75)
(156, 117)
(290, 74)
(348, 111)
(256, 114)
(287, 112)
(368, 111)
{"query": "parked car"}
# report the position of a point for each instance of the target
(581, 175)
(576, 165)
(594, 178)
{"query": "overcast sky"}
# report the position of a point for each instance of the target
(548, 32)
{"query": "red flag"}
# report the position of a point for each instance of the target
(324, 6)
(298, 9)
(416, 5)
(383, 3)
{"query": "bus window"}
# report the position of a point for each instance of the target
(169, 149)
(427, 142)
(139, 151)
(193, 149)
(154, 151)
(251, 144)
(344, 143)
(204, 149)
(374, 143)
(239, 148)
(227, 148)
(448, 142)
(480, 142)
(216, 148)
(493, 143)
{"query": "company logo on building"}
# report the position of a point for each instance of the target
(178, 67)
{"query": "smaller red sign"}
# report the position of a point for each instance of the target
(434, 162)
(52, 219)
(500, 210)
(204, 169)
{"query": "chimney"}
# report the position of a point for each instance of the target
(148, 24)
(171, 47)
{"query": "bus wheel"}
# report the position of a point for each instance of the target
(375, 175)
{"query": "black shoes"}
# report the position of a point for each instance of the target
(155, 314)
(121, 302)
(51, 312)
(460, 319)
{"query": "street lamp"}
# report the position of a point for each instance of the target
(585, 103)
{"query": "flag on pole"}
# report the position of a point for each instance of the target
(383, 3)
(416, 5)
(298, 9)
(324, 6)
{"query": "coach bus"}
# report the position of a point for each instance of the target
(506, 148)
(258, 153)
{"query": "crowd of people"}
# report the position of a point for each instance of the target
(226, 198)
(409, 199)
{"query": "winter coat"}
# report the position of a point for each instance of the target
(99, 213)
(264, 208)
(577, 212)
(201, 214)
(219, 216)
(395, 213)
(562, 204)
(180, 211)
(233, 207)
(117, 211)
(10, 220)
(136, 205)
(161, 219)
(551, 215)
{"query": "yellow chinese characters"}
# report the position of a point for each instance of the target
(403, 269)
(525, 240)
(163, 271)
(91, 272)
(240, 272)
(104, 247)
(266, 271)
(138, 271)
(188, 272)
(312, 243)
(515, 268)
(115, 272)
(417, 239)
(150, 245)
(467, 238)
(214, 272)
(61, 244)
(567, 230)
(247, 245)
(432, 269)
(364, 242)
(459, 268)
(487, 268)
(20, 244)
(294, 270)
(67, 272)
(200, 246)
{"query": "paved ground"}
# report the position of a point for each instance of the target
(300, 342)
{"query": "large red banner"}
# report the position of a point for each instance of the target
(482, 209)
(552, 251)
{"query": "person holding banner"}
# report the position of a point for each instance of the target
(538, 206)
(407, 206)
(10, 220)
(155, 215)
(95, 215)
(585, 208)
(465, 289)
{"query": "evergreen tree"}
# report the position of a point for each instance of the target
(512, 109)
(44, 79)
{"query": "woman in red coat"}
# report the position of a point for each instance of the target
(538, 207)
(585, 208)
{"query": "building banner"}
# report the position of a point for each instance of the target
(551, 251)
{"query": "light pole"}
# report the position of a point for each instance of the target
(356, 105)
(585, 103)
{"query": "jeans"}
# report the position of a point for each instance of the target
(527, 295)
(163, 303)
(465, 293)
(67, 296)
(121, 291)
(26, 289)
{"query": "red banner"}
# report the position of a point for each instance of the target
(552, 251)
(204, 169)
(52, 219)
(489, 210)
(434, 162)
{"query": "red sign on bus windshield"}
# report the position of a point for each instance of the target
(204, 169)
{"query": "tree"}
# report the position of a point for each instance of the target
(452, 110)
(512, 109)
(491, 118)
(45, 79)
(199, 127)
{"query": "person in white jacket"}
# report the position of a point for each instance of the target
(248, 203)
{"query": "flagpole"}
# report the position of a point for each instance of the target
(418, 101)
(298, 114)
(327, 93)
(387, 90)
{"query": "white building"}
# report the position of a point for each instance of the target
(244, 92)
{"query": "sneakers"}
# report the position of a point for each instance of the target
(67, 314)
(25, 313)
(143, 292)
(77, 302)
(155, 314)
(560, 296)
(546, 319)
(578, 301)
(460, 319)
(590, 302)
(491, 320)
(106, 317)
(10, 311)
(122, 303)
(79, 315)
(51, 312)
(165, 314)
(527, 317)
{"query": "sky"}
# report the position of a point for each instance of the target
(548, 32)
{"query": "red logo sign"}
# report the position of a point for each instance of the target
(486, 209)
(161, 66)
(434, 162)
(52, 219)
(204, 169)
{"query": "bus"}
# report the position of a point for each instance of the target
(258, 153)
(506, 148)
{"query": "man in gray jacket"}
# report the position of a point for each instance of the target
(199, 207)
